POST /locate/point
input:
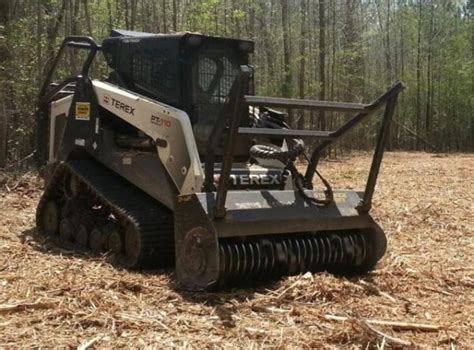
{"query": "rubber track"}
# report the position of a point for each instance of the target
(152, 220)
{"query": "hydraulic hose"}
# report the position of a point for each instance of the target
(288, 158)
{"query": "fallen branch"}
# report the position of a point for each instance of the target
(396, 325)
(385, 337)
(281, 293)
(19, 161)
(89, 343)
(141, 319)
(376, 290)
(364, 324)
(24, 306)
(411, 132)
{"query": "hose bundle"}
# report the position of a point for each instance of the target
(269, 152)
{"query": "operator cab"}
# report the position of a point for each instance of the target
(188, 71)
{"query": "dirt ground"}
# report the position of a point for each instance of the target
(424, 202)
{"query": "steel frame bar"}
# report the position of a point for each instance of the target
(237, 106)
(366, 203)
(287, 133)
(45, 96)
(76, 41)
(305, 104)
(235, 94)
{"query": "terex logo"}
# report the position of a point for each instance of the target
(255, 179)
(106, 99)
(119, 105)
(160, 121)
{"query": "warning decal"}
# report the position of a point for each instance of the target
(83, 111)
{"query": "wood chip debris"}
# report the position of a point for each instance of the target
(421, 294)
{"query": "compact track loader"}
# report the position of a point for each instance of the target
(173, 161)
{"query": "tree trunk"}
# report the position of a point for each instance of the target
(386, 37)
(269, 68)
(52, 33)
(4, 15)
(127, 19)
(302, 67)
(109, 15)
(3, 129)
(286, 86)
(39, 51)
(75, 18)
(155, 17)
(175, 16)
(287, 78)
(133, 14)
(352, 57)
(332, 92)
(163, 8)
(418, 75)
(429, 75)
(322, 60)
(388, 62)
(88, 18)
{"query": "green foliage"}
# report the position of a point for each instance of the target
(369, 45)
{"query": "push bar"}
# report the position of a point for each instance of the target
(238, 103)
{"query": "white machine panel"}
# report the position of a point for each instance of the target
(169, 127)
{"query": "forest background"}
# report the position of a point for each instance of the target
(348, 50)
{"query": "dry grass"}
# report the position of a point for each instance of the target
(424, 202)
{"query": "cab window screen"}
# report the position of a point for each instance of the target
(215, 77)
(214, 73)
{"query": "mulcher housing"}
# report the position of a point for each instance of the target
(172, 160)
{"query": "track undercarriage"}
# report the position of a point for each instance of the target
(87, 207)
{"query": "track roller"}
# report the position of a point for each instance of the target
(97, 240)
(66, 230)
(82, 236)
(50, 218)
(132, 246)
(114, 241)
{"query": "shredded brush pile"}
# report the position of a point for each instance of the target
(421, 294)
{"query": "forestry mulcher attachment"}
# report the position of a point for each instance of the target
(172, 161)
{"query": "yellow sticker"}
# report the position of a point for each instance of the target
(83, 111)
(184, 198)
